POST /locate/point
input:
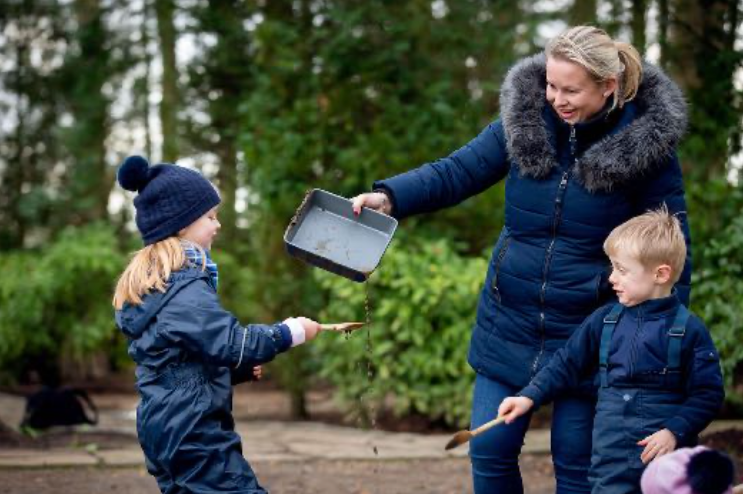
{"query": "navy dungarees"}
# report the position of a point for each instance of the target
(626, 415)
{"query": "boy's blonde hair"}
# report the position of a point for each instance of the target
(150, 269)
(653, 238)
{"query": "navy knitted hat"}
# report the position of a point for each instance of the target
(170, 197)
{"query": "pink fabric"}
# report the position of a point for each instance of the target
(667, 474)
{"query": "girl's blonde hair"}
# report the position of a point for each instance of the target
(603, 58)
(150, 269)
(653, 238)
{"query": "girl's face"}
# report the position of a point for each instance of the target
(573, 93)
(634, 283)
(203, 230)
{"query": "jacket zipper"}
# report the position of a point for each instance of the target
(548, 256)
(499, 260)
(633, 347)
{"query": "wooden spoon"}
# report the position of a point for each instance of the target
(342, 326)
(462, 437)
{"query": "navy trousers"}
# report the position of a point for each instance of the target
(625, 416)
(495, 453)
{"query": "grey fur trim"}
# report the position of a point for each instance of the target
(634, 151)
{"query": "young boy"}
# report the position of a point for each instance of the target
(659, 376)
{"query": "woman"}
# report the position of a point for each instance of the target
(586, 140)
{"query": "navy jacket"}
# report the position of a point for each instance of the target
(637, 358)
(189, 351)
(567, 187)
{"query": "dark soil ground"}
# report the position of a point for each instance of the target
(450, 476)
(263, 401)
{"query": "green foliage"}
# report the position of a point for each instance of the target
(422, 304)
(56, 302)
(718, 300)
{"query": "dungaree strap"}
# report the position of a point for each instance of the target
(676, 334)
(610, 321)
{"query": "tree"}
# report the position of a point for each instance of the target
(170, 101)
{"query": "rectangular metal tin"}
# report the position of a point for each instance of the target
(325, 233)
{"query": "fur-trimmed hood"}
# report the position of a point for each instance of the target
(633, 151)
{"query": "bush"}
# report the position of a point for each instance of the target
(56, 302)
(718, 299)
(422, 305)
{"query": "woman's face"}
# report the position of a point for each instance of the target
(573, 93)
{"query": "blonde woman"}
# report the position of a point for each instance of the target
(586, 140)
(189, 351)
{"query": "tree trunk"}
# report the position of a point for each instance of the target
(639, 12)
(169, 104)
(704, 29)
(90, 180)
(582, 12)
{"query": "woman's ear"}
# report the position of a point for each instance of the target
(610, 85)
(663, 274)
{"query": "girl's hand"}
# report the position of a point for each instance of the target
(257, 373)
(311, 328)
(372, 200)
(657, 445)
(514, 407)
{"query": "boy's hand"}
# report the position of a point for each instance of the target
(514, 407)
(657, 445)
(257, 373)
(311, 328)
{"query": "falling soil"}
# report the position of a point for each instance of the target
(367, 417)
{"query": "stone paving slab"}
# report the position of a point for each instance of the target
(262, 441)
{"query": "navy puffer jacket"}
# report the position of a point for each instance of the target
(189, 351)
(567, 187)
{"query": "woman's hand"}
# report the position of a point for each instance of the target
(257, 373)
(514, 407)
(311, 328)
(657, 445)
(377, 201)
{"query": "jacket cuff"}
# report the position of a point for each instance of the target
(285, 337)
(533, 393)
(680, 428)
(297, 334)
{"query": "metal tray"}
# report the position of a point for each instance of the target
(325, 233)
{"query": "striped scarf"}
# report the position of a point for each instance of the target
(194, 256)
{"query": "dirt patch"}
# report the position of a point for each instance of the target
(731, 442)
(450, 476)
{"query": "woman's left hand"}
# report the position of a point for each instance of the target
(257, 373)
(657, 445)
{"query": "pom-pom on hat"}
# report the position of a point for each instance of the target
(170, 197)
(697, 470)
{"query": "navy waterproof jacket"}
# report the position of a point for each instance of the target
(567, 187)
(189, 351)
(637, 358)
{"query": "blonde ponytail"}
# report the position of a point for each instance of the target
(149, 270)
(631, 77)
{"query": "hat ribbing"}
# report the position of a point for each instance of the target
(170, 197)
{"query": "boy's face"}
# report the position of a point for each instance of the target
(634, 283)
(203, 230)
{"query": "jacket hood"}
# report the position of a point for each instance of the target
(636, 149)
(132, 320)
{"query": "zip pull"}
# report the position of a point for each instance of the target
(573, 140)
(561, 187)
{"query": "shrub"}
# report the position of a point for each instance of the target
(717, 298)
(422, 303)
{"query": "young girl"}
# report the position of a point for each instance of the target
(188, 349)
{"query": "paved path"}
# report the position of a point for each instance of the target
(262, 440)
